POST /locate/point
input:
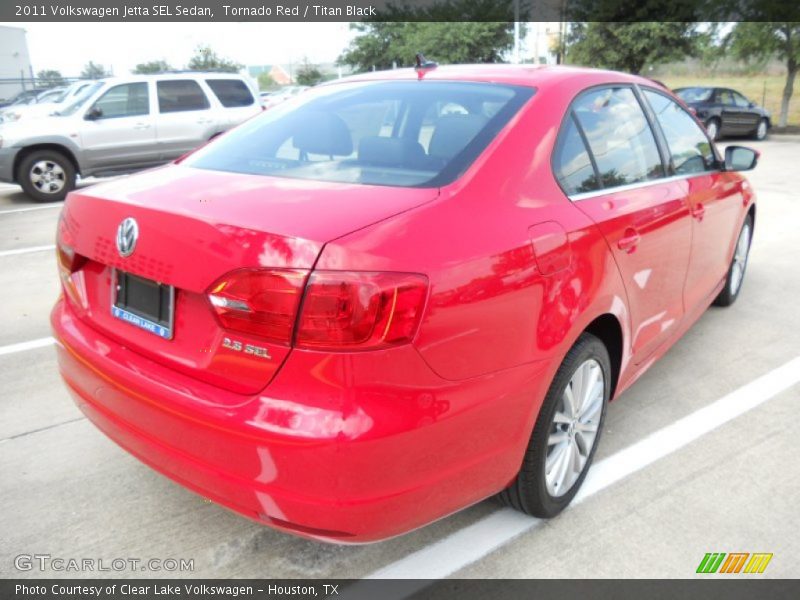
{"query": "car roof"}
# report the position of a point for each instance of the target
(525, 75)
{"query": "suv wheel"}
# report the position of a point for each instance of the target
(566, 433)
(46, 175)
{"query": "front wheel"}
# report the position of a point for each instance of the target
(762, 129)
(566, 433)
(46, 175)
(735, 278)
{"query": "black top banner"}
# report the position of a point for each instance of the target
(399, 10)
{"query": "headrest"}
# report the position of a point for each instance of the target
(390, 152)
(323, 133)
(453, 133)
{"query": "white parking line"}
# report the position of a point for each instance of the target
(468, 545)
(26, 250)
(23, 346)
(29, 208)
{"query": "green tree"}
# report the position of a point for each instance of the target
(205, 59)
(384, 45)
(308, 74)
(92, 70)
(50, 78)
(762, 40)
(630, 46)
(153, 66)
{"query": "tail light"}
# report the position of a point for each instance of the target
(69, 262)
(340, 310)
(360, 310)
(259, 302)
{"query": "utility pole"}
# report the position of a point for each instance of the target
(516, 32)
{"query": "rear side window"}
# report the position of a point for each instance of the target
(619, 136)
(180, 95)
(572, 163)
(231, 92)
(397, 133)
(688, 145)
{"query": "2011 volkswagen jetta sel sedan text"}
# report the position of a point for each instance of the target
(399, 294)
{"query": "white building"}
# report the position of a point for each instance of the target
(15, 62)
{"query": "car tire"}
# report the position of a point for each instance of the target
(535, 490)
(762, 129)
(46, 175)
(735, 277)
(712, 128)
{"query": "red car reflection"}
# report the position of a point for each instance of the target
(398, 294)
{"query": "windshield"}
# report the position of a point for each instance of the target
(80, 99)
(694, 94)
(397, 133)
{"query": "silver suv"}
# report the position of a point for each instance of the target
(120, 125)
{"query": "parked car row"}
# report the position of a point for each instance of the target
(118, 125)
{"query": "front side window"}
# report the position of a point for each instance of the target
(619, 136)
(126, 100)
(231, 93)
(688, 145)
(397, 133)
(740, 100)
(180, 95)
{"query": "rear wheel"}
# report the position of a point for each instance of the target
(735, 278)
(712, 128)
(46, 175)
(566, 433)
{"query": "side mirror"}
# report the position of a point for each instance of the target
(751, 104)
(93, 113)
(739, 158)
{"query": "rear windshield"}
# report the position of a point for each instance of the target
(694, 94)
(400, 133)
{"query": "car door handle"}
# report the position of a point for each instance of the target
(629, 241)
(698, 211)
(142, 126)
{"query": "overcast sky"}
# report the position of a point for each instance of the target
(120, 46)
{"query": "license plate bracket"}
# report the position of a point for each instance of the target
(143, 303)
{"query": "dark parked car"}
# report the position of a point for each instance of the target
(726, 112)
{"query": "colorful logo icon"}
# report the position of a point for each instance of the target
(734, 562)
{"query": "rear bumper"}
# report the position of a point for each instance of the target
(348, 448)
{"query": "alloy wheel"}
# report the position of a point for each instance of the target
(48, 176)
(574, 429)
(740, 258)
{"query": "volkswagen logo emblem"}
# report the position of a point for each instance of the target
(127, 234)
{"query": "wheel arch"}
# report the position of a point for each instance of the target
(608, 330)
(28, 150)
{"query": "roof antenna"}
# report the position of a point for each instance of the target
(423, 63)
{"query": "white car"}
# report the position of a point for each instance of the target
(121, 125)
(45, 103)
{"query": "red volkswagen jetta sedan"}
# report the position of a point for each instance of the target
(400, 293)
